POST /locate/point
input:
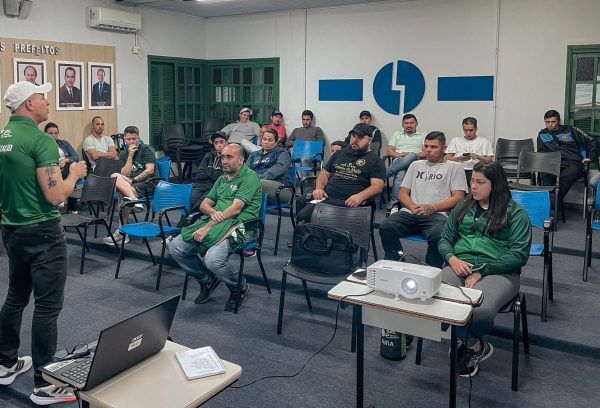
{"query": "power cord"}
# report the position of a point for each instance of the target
(337, 310)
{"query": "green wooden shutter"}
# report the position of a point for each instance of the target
(161, 86)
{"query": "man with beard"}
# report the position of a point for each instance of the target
(350, 177)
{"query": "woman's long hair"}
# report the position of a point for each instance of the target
(500, 198)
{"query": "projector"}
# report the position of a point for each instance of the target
(404, 279)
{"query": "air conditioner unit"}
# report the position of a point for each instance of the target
(115, 20)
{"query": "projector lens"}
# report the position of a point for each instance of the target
(409, 286)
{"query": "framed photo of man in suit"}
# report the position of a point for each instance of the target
(100, 85)
(70, 81)
(31, 70)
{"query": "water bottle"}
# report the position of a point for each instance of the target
(393, 345)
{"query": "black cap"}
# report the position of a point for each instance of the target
(220, 134)
(361, 130)
(277, 112)
(364, 113)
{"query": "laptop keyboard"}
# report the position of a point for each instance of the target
(78, 373)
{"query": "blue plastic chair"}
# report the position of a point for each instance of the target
(168, 197)
(307, 150)
(593, 204)
(537, 206)
(164, 167)
(253, 247)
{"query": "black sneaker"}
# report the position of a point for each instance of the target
(52, 394)
(206, 289)
(468, 365)
(8, 374)
(230, 306)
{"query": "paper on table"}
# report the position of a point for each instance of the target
(199, 363)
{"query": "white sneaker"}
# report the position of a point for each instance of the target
(394, 210)
(8, 374)
(118, 237)
(52, 394)
(136, 207)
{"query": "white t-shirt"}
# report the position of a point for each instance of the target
(101, 146)
(479, 145)
(430, 183)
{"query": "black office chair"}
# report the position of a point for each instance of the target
(106, 167)
(173, 137)
(507, 154)
(212, 125)
(99, 191)
(357, 221)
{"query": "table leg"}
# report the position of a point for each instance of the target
(360, 350)
(452, 403)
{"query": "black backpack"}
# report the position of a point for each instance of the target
(325, 250)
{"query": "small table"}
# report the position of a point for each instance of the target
(157, 382)
(419, 318)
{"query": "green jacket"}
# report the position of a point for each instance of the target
(506, 252)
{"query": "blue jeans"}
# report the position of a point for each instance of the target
(398, 170)
(216, 261)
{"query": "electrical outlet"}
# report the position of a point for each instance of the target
(136, 49)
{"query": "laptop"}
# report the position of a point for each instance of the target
(119, 347)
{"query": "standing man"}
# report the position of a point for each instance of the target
(471, 149)
(307, 131)
(575, 149)
(404, 147)
(101, 90)
(243, 131)
(97, 145)
(277, 125)
(30, 189)
(235, 198)
(68, 94)
(430, 189)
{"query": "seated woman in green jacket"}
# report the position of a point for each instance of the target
(485, 243)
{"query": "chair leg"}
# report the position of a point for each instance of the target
(515, 348)
(82, 240)
(238, 294)
(419, 350)
(262, 270)
(306, 295)
(354, 325)
(277, 233)
(185, 284)
(281, 302)
(550, 278)
(160, 265)
(83, 247)
(374, 246)
(524, 324)
(150, 251)
(120, 256)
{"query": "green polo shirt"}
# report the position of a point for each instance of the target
(23, 149)
(407, 143)
(244, 186)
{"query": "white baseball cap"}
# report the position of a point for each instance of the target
(246, 110)
(18, 93)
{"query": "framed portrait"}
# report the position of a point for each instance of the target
(70, 83)
(100, 85)
(31, 70)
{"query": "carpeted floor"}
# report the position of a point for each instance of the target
(562, 369)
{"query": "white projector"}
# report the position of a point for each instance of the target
(404, 279)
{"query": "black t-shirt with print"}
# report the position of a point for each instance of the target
(352, 173)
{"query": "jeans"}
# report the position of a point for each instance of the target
(497, 290)
(37, 260)
(215, 262)
(403, 224)
(398, 170)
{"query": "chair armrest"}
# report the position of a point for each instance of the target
(131, 203)
(548, 224)
(193, 217)
(280, 189)
(304, 180)
(164, 212)
(259, 225)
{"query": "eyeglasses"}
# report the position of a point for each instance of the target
(78, 351)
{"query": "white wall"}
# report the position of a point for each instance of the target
(162, 34)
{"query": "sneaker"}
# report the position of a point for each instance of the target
(8, 374)
(394, 210)
(206, 289)
(468, 366)
(230, 306)
(118, 237)
(136, 207)
(52, 394)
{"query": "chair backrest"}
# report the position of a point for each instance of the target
(171, 195)
(508, 148)
(173, 136)
(98, 189)
(213, 125)
(357, 221)
(307, 149)
(376, 147)
(118, 140)
(105, 167)
(535, 203)
(539, 162)
(164, 167)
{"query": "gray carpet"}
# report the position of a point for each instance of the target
(562, 369)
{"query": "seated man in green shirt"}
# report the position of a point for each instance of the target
(139, 164)
(234, 199)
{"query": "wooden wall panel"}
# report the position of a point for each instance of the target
(75, 124)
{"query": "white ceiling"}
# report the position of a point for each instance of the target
(219, 8)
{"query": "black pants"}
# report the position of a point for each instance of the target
(404, 224)
(37, 259)
(570, 172)
(304, 208)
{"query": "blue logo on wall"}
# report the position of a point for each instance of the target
(388, 93)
